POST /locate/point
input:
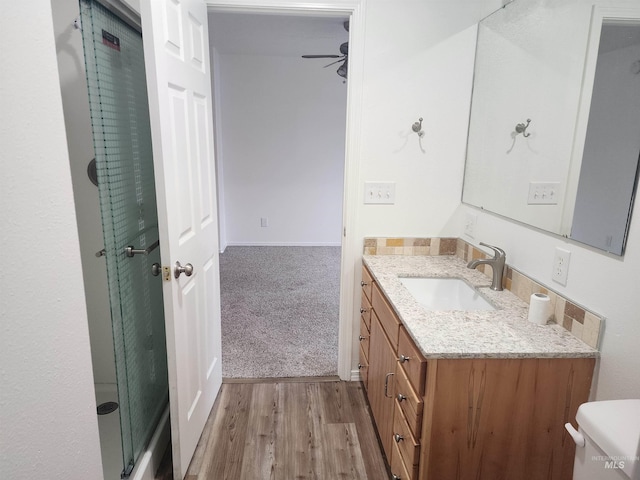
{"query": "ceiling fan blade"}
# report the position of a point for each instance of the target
(320, 56)
(333, 63)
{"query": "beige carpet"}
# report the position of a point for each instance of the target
(280, 308)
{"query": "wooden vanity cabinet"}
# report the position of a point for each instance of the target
(502, 418)
(469, 419)
(382, 367)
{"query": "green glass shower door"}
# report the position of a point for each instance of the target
(122, 141)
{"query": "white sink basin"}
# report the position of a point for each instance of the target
(445, 294)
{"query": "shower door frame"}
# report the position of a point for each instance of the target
(135, 435)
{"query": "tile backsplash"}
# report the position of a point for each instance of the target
(581, 322)
(410, 246)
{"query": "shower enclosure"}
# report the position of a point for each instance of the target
(122, 141)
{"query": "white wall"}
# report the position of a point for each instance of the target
(49, 427)
(283, 139)
(73, 86)
(418, 63)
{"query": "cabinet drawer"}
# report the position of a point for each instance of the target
(410, 402)
(364, 339)
(407, 444)
(412, 361)
(387, 317)
(363, 367)
(367, 282)
(399, 470)
(365, 311)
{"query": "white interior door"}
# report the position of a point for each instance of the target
(178, 78)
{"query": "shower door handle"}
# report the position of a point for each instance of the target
(130, 251)
(186, 269)
(156, 269)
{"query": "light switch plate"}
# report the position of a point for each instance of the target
(561, 266)
(543, 193)
(380, 192)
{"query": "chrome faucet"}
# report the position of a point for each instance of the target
(496, 263)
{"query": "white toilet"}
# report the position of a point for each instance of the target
(607, 440)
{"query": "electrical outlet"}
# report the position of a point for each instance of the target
(470, 225)
(561, 266)
(380, 192)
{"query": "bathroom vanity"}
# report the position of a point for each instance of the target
(467, 394)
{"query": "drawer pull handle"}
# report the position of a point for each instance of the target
(363, 310)
(401, 397)
(363, 283)
(396, 477)
(386, 385)
(361, 338)
(360, 366)
(398, 438)
(403, 359)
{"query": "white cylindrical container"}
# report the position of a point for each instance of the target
(539, 308)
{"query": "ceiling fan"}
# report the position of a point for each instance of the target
(344, 50)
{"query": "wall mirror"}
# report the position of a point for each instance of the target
(554, 131)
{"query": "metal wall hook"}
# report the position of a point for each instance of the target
(522, 128)
(417, 127)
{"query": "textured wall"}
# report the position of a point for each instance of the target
(49, 427)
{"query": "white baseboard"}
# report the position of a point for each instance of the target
(355, 375)
(284, 244)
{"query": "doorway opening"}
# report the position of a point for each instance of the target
(280, 137)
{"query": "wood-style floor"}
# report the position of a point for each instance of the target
(289, 431)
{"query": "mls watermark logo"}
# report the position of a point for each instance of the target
(614, 462)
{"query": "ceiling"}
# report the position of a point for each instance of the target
(278, 35)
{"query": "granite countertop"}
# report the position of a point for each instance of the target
(501, 333)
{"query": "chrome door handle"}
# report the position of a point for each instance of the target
(403, 359)
(178, 269)
(401, 397)
(156, 269)
(398, 438)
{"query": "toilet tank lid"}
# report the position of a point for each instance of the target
(614, 425)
